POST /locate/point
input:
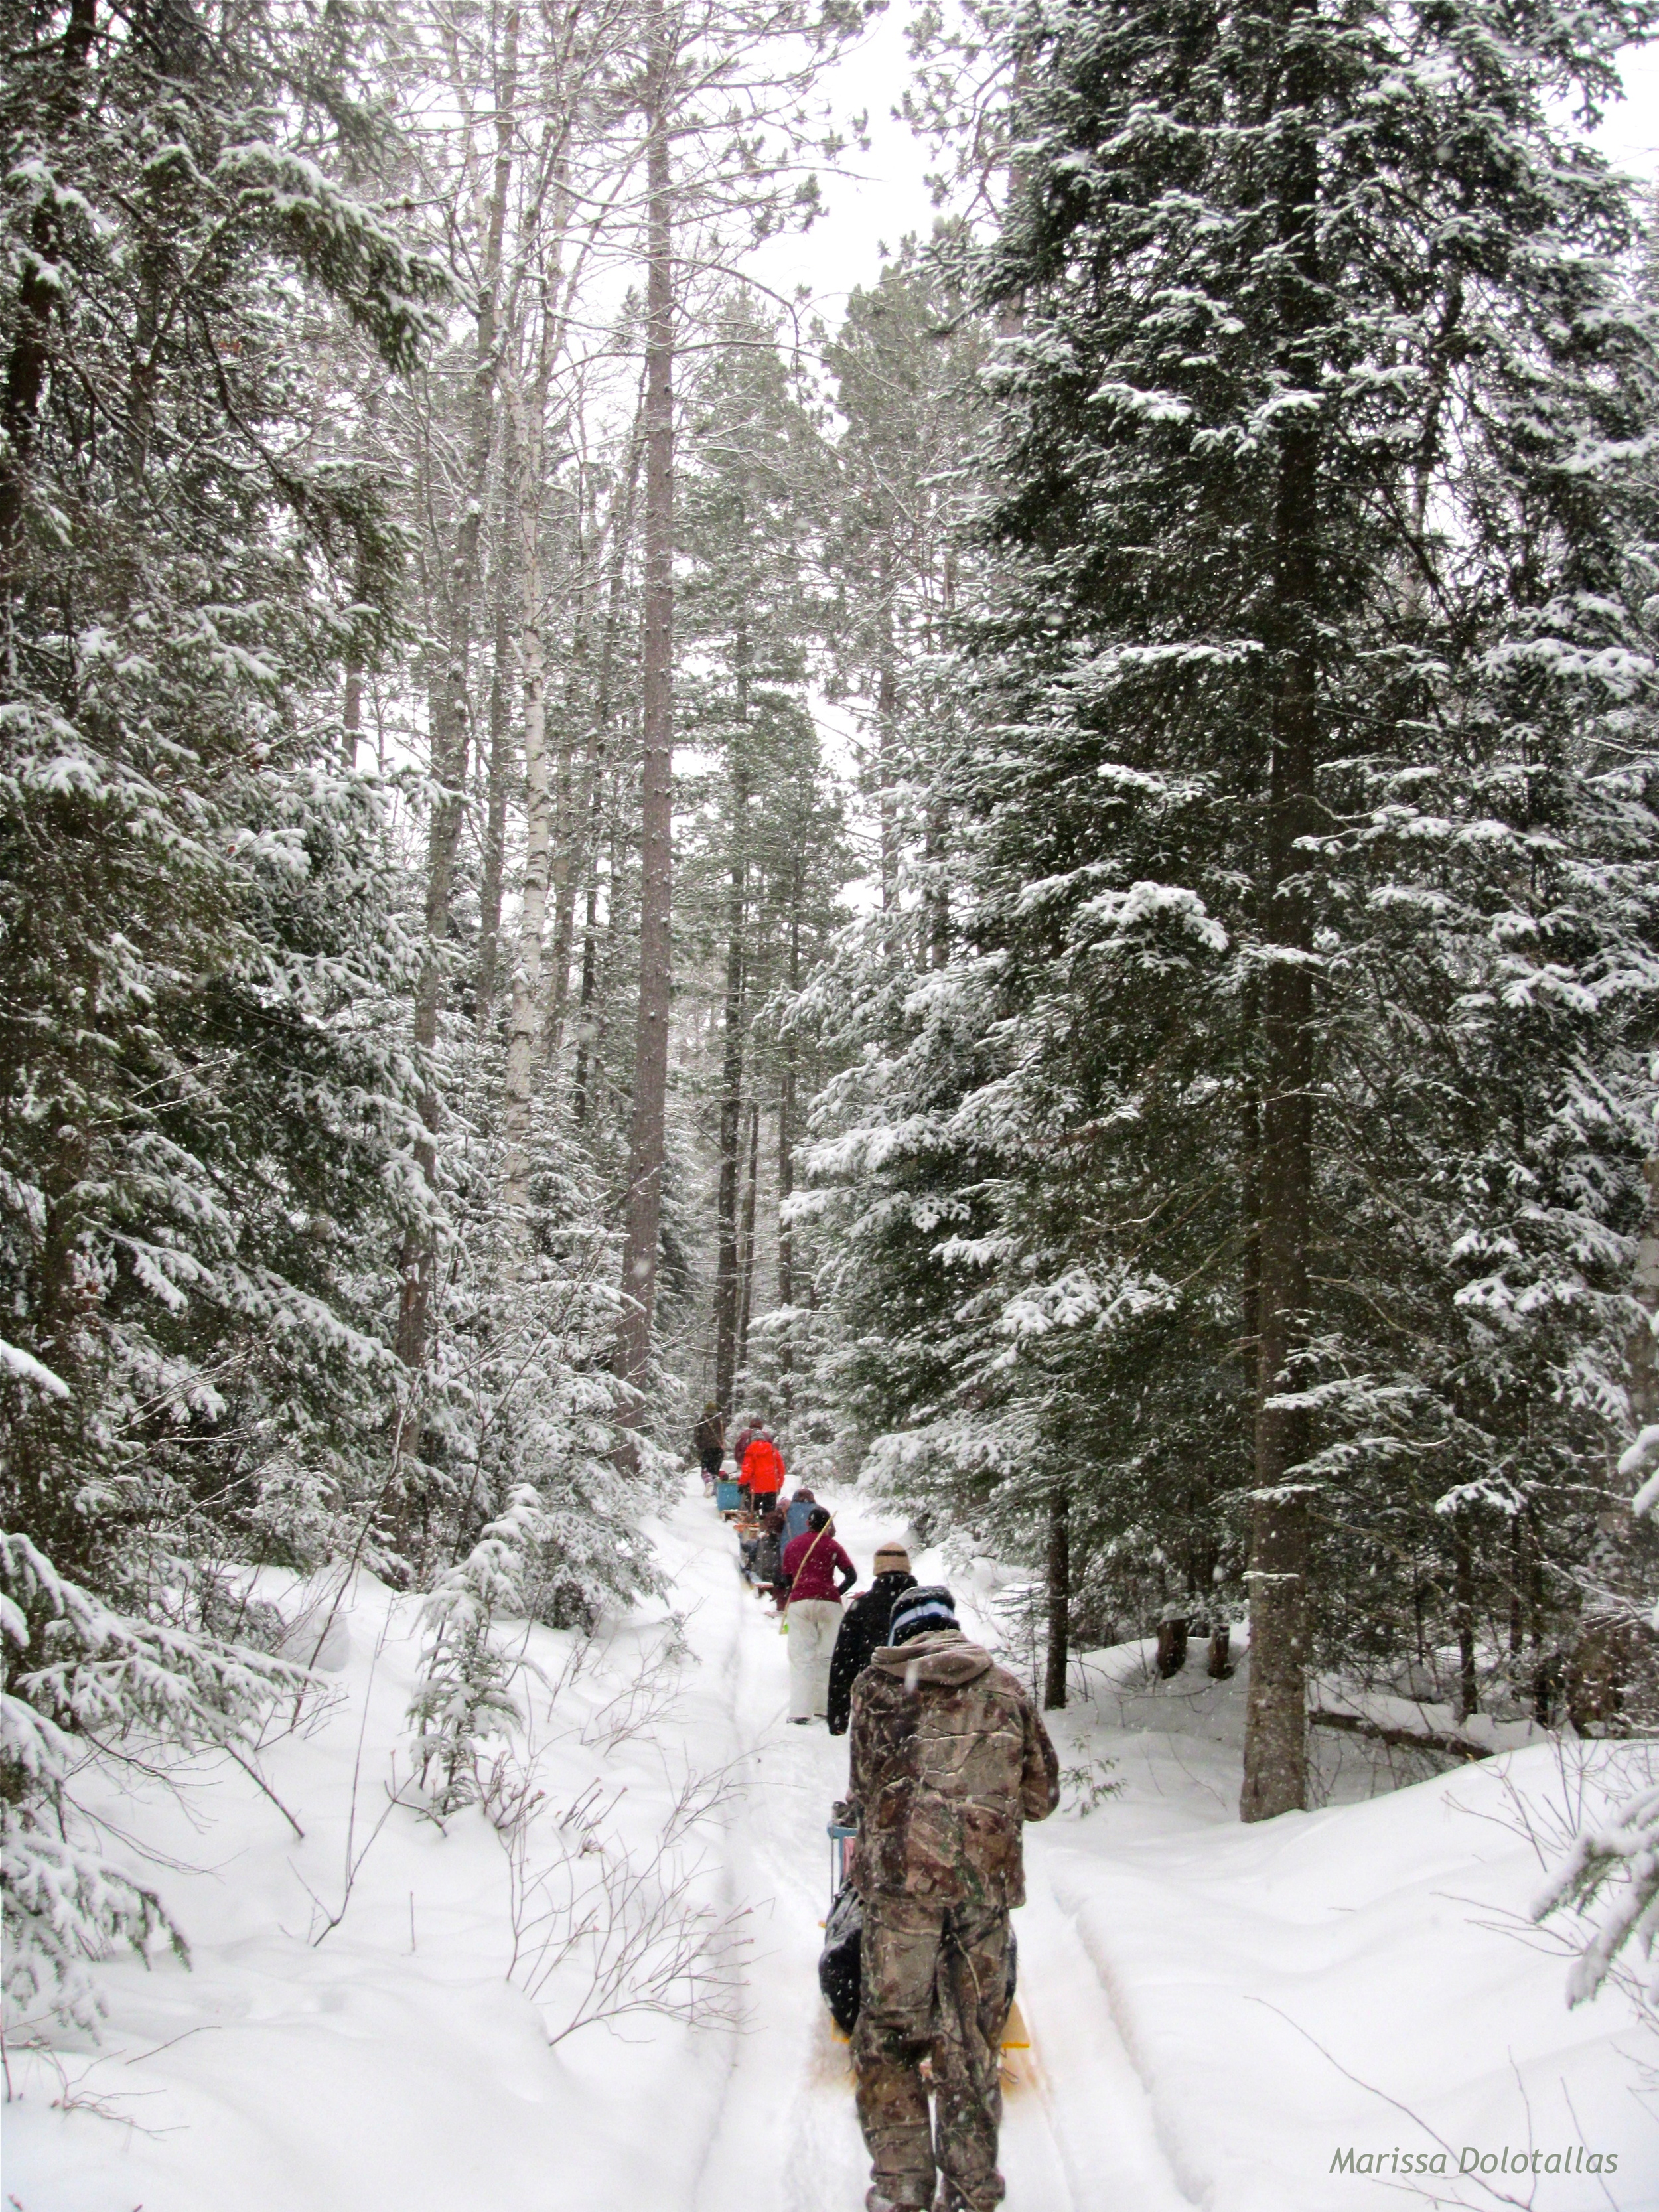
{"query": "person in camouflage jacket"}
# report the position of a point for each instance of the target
(950, 1758)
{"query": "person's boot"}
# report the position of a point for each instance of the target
(875, 2202)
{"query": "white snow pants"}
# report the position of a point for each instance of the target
(814, 1623)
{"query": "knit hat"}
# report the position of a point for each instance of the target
(930, 1607)
(892, 1558)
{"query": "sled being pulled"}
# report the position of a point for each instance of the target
(840, 1960)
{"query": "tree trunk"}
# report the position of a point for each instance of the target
(1276, 1732)
(449, 730)
(936, 949)
(494, 837)
(36, 297)
(746, 1254)
(786, 1189)
(786, 1140)
(351, 721)
(583, 1082)
(1060, 1600)
(572, 811)
(621, 534)
(1468, 1690)
(517, 1104)
(727, 1271)
(1643, 1350)
(887, 733)
(643, 1213)
(1517, 1586)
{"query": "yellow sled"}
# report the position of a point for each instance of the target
(1016, 2036)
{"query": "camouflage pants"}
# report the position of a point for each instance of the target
(935, 1983)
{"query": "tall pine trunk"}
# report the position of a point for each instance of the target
(525, 1024)
(1276, 1732)
(1462, 1543)
(450, 717)
(622, 533)
(1643, 1349)
(746, 1237)
(726, 1265)
(787, 1144)
(887, 732)
(1060, 1600)
(643, 1213)
(495, 837)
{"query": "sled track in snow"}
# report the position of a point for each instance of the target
(1078, 2133)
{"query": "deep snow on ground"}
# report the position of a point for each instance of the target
(1219, 2016)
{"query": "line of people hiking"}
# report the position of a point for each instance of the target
(948, 1760)
(753, 1461)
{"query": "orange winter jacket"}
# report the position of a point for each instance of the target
(763, 1468)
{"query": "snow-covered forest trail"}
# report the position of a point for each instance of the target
(379, 2019)
(1078, 2135)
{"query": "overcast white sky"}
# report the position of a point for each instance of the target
(842, 248)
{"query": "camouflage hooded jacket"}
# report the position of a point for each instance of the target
(949, 1759)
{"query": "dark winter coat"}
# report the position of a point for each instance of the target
(863, 1632)
(769, 1555)
(708, 1436)
(949, 1759)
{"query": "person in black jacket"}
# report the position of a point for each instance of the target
(864, 1630)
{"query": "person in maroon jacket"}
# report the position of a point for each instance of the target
(819, 1574)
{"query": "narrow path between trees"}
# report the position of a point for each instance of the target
(1078, 2135)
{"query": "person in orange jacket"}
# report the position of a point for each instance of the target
(763, 1472)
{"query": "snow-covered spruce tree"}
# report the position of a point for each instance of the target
(904, 361)
(1309, 884)
(517, 1390)
(200, 1129)
(1614, 1863)
(1323, 435)
(753, 495)
(464, 1696)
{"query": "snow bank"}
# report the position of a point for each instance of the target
(1237, 2019)
(387, 2063)
(1321, 2008)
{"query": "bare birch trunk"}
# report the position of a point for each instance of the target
(586, 803)
(644, 1204)
(494, 837)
